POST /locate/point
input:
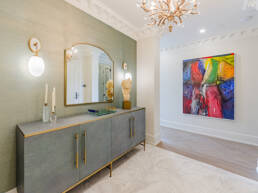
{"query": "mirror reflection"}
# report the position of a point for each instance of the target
(89, 75)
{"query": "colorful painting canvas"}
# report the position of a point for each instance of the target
(209, 86)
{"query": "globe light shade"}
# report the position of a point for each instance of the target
(36, 66)
(128, 76)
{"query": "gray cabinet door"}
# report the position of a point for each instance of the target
(96, 147)
(138, 126)
(50, 161)
(121, 134)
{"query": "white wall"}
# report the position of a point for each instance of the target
(148, 83)
(245, 126)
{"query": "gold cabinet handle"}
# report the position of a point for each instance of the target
(85, 148)
(77, 151)
(131, 128)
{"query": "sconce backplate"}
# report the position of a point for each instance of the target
(124, 66)
(34, 45)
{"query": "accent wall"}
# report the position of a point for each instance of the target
(58, 25)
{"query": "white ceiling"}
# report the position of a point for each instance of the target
(127, 10)
(218, 17)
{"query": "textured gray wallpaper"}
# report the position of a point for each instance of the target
(58, 25)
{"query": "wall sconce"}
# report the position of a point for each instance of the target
(36, 64)
(124, 66)
(128, 75)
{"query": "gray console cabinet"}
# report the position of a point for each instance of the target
(54, 158)
(97, 151)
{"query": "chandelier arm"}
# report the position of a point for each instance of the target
(185, 11)
(161, 4)
(180, 19)
(194, 13)
(182, 3)
(176, 5)
(154, 22)
(145, 8)
(161, 21)
(164, 22)
(185, 5)
(165, 6)
(168, 4)
(153, 14)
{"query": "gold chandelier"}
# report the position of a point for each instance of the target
(168, 13)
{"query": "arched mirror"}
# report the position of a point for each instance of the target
(89, 75)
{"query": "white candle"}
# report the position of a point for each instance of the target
(46, 93)
(53, 100)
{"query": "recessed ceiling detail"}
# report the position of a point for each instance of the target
(251, 32)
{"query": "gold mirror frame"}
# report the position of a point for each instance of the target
(65, 75)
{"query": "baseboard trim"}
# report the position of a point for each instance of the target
(12, 191)
(153, 140)
(231, 136)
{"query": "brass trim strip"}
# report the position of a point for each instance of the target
(81, 123)
(131, 129)
(133, 126)
(85, 148)
(77, 151)
(108, 164)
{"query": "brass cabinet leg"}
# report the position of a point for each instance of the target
(144, 145)
(110, 167)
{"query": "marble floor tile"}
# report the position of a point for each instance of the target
(160, 171)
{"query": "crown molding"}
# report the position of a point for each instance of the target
(250, 32)
(100, 11)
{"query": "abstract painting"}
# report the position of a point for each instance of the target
(208, 88)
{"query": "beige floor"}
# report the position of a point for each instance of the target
(234, 157)
(161, 171)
